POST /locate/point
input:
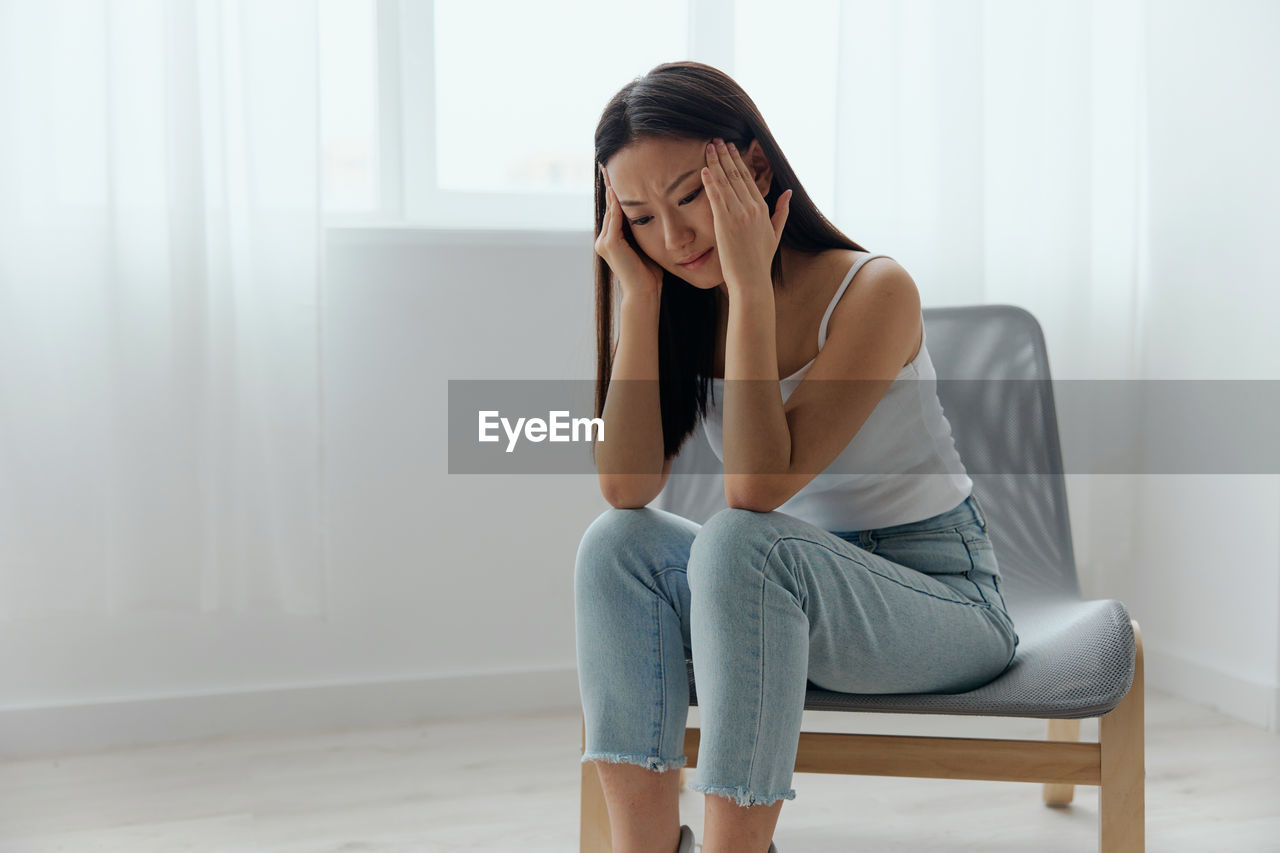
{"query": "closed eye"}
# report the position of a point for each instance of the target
(690, 197)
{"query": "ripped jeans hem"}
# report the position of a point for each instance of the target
(650, 762)
(741, 795)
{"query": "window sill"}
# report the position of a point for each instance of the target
(373, 232)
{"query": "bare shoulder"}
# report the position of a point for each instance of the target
(839, 262)
(881, 282)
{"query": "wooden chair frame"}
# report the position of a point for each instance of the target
(1116, 764)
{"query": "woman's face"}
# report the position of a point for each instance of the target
(659, 184)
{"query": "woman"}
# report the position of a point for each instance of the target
(836, 562)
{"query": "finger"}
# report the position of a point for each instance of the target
(781, 210)
(606, 192)
(610, 221)
(714, 176)
(615, 218)
(734, 194)
(715, 192)
(753, 191)
(613, 206)
(719, 179)
(611, 199)
(708, 175)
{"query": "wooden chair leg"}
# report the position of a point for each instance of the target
(1068, 730)
(594, 833)
(1122, 794)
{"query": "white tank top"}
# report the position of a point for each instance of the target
(906, 434)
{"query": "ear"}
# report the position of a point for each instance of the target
(761, 170)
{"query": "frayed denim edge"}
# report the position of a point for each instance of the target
(649, 762)
(741, 795)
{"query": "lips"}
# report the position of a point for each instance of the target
(688, 261)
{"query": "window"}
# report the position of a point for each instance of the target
(517, 103)
(480, 114)
(477, 113)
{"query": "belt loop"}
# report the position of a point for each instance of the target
(977, 509)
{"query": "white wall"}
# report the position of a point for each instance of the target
(1206, 570)
(455, 593)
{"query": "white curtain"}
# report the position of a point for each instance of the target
(159, 308)
(998, 147)
(998, 150)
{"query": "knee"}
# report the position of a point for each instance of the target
(613, 536)
(732, 541)
(614, 529)
(732, 525)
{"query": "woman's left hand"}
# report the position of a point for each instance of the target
(746, 236)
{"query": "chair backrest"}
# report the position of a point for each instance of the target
(996, 392)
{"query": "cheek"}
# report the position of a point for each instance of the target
(644, 239)
(705, 212)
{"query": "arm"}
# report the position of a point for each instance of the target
(757, 439)
(872, 333)
(632, 411)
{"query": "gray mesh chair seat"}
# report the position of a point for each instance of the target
(1075, 658)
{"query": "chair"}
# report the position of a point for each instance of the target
(1076, 659)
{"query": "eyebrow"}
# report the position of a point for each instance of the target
(677, 182)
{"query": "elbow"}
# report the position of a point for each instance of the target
(752, 499)
(620, 496)
(627, 503)
(754, 506)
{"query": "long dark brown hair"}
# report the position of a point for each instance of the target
(690, 100)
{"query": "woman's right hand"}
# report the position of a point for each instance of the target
(635, 271)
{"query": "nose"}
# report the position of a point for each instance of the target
(678, 235)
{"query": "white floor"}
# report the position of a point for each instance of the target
(510, 783)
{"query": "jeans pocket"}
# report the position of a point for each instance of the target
(933, 552)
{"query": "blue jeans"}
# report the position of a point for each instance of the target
(764, 603)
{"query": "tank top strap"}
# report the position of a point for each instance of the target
(844, 285)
